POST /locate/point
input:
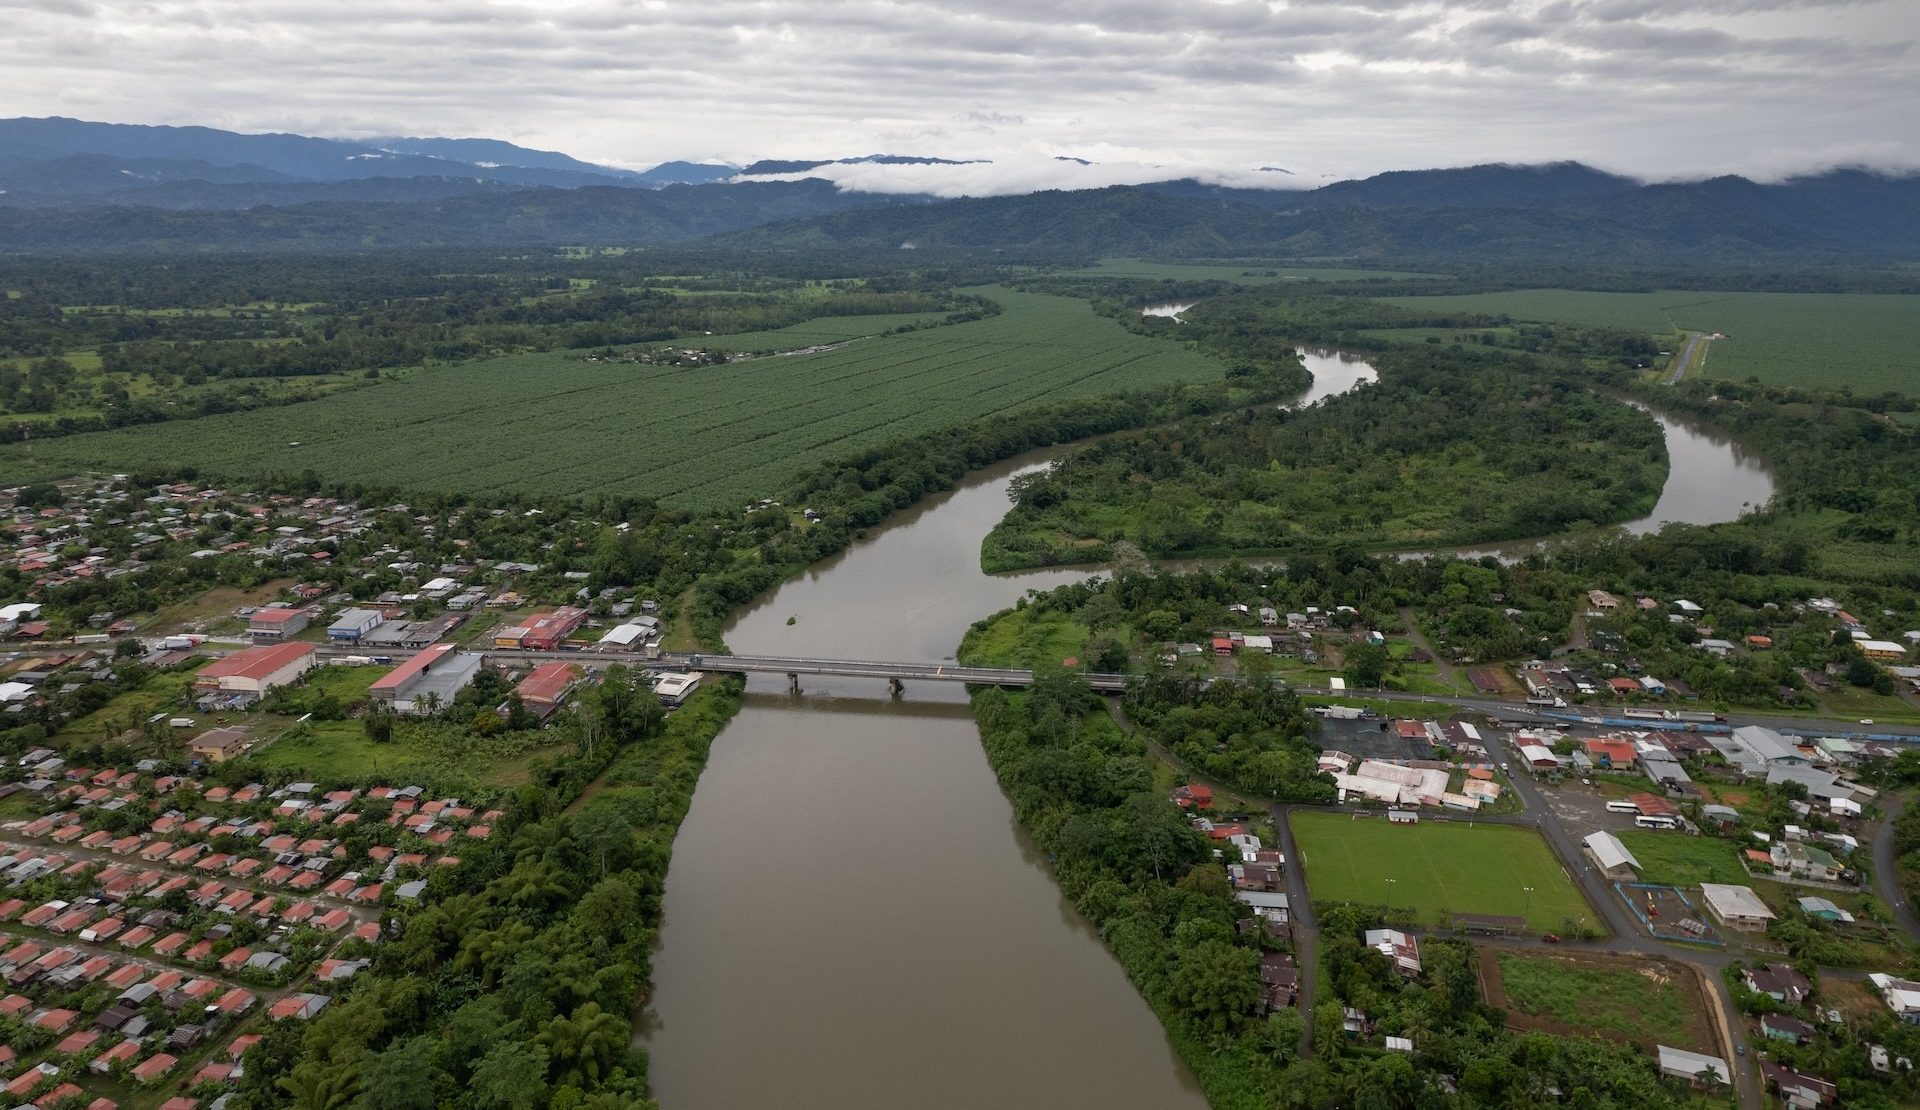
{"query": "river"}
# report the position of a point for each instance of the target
(853, 918)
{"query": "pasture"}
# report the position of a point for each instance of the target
(694, 437)
(1632, 1000)
(1436, 869)
(1822, 340)
(1675, 859)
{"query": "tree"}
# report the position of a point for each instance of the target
(1366, 664)
(378, 723)
(1217, 983)
(581, 1048)
(315, 1086)
(511, 1076)
(404, 1077)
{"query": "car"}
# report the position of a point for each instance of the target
(1739, 1050)
(1866, 720)
(1551, 938)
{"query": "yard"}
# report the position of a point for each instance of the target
(1634, 1000)
(1676, 859)
(1436, 869)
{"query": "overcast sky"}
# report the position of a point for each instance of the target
(1323, 88)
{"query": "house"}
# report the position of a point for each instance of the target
(220, 744)
(1715, 647)
(270, 626)
(1803, 860)
(1780, 982)
(1611, 856)
(153, 1067)
(1781, 1027)
(1608, 752)
(1692, 1066)
(297, 1007)
(1885, 650)
(254, 672)
(428, 680)
(1902, 996)
(1539, 757)
(1401, 949)
(1797, 1089)
(351, 624)
(1602, 600)
(1736, 907)
(1194, 795)
(1825, 910)
(1279, 980)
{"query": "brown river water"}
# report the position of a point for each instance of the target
(853, 918)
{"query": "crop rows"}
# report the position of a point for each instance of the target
(694, 436)
(1828, 340)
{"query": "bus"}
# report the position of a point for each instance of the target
(1621, 806)
(1644, 714)
(1656, 822)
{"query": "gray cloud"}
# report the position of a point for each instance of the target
(1327, 87)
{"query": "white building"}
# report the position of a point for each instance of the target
(351, 624)
(1610, 855)
(1690, 1066)
(1736, 907)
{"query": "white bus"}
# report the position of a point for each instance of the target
(1646, 822)
(1623, 807)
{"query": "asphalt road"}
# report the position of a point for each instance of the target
(1886, 878)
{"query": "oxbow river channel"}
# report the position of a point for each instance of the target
(853, 919)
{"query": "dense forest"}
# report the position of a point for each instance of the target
(1454, 445)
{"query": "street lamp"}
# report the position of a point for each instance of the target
(1529, 901)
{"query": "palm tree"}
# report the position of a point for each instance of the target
(313, 1087)
(584, 1046)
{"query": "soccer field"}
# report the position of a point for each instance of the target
(1438, 868)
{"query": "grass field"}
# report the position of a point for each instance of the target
(1251, 273)
(693, 436)
(1811, 339)
(1633, 1001)
(1676, 859)
(1437, 869)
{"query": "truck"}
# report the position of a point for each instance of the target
(1548, 703)
(1643, 714)
(1695, 717)
(1342, 712)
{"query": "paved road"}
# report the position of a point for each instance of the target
(1306, 930)
(1886, 878)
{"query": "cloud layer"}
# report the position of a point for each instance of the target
(1327, 88)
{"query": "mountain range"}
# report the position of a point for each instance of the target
(69, 185)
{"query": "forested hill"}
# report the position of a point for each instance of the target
(1565, 213)
(537, 217)
(1493, 212)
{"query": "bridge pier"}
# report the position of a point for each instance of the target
(898, 687)
(793, 683)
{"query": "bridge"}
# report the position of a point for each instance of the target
(792, 666)
(894, 673)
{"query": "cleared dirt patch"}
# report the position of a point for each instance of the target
(1639, 1000)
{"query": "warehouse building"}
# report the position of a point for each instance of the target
(248, 675)
(267, 626)
(427, 681)
(351, 624)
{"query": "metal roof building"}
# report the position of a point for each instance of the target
(1737, 907)
(1609, 854)
(1681, 1064)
